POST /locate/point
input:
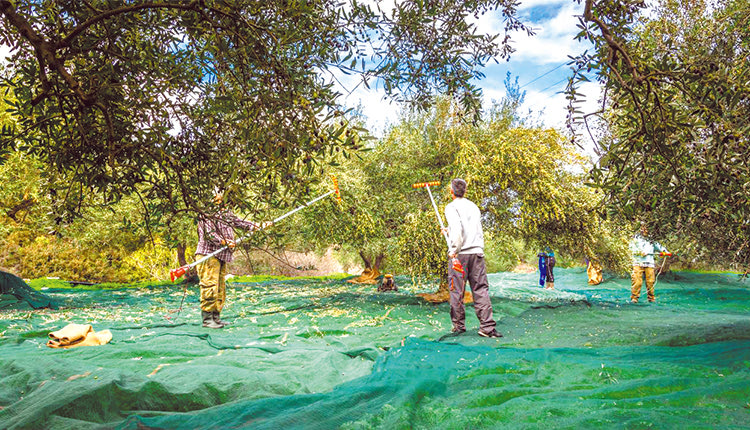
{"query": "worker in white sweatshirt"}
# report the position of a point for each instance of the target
(467, 244)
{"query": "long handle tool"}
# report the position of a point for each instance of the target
(664, 255)
(178, 272)
(456, 264)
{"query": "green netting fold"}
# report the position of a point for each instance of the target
(15, 294)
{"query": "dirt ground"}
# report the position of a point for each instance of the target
(292, 263)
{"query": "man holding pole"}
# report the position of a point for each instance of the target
(466, 242)
(215, 247)
(215, 233)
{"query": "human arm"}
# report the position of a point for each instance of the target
(251, 226)
(237, 222)
(454, 231)
(660, 248)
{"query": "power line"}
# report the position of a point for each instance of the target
(549, 96)
(558, 82)
(541, 76)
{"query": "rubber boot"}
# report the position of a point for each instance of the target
(208, 320)
(218, 320)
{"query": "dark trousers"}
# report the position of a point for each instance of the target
(475, 272)
(550, 267)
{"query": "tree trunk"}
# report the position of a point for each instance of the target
(25, 204)
(191, 275)
(372, 271)
(442, 295)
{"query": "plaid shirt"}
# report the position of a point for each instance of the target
(211, 231)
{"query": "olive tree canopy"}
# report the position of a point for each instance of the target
(170, 99)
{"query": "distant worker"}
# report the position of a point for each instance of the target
(387, 284)
(466, 242)
(643, 251)
(547, 263)
(594, 271)
(214, 232)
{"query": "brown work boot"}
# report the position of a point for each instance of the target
(493, 333)
(208, 320)
(218, 320)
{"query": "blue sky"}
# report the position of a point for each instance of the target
(540, 63)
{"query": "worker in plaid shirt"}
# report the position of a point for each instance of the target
(216, 232)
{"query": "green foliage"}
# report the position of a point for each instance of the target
(677, 85)
(35, 256)
(529, 183)
(503, 253)
(168, 100)
(21, 198)
(111, 243)
(421, 248)
(152, 261)
(377, 188)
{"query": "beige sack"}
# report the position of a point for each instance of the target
(73, 335)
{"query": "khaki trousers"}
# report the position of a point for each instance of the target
(213, 288)
(636, 281)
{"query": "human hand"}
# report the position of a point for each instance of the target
(456, 264)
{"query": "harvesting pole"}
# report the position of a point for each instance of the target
(456, 264)
(178, 272)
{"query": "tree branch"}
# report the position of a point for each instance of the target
(613, 44)
(45, 51)
(123, 10)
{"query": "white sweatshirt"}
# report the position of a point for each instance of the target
(464, 227)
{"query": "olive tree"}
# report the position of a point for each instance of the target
(171, 99)
(676, 104)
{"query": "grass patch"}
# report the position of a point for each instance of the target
(43, 283)
(49, 283)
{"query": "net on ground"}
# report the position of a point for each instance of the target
(327, 354)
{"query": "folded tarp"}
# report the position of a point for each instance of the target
(73, 335)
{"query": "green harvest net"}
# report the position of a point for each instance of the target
(15, 294)
(324, 354)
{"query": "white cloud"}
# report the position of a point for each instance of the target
(4, 52)
(528, 4)
(554, 111)
(554, 39)
(554, 23)
(380, 112)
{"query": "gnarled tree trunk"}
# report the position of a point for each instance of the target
(372, 270)
(25, 204)
(442, 295)
(191, 275)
